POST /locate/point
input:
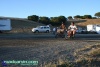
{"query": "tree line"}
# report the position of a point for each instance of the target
(56, 21)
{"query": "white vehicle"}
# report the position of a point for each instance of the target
(79, 30)
(5, 25)
(41, 29)
(93, 28)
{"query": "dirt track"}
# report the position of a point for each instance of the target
(47, 36)
(43, 50)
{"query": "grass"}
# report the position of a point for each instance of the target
(23, 26)
(20, 26)
(63, 64)
(94, 52)
(88, 56)
(88, 21)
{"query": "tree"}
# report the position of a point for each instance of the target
(29, 18)
(44, 20)
(77, 17)
(62, 19)
(33, 18)
(55, 21)
(70, 17)
(87, 16)
(97, 14)
(82, 17)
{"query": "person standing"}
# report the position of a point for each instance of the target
(54, 30)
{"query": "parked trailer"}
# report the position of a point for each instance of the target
(5, 25)
(98, 29)
(93, 28)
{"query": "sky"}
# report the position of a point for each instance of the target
(48, 8)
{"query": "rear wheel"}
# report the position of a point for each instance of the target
(1, 32)
(65, 37)
(56, 36)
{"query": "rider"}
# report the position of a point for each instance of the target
(62, 26)
(72, 29)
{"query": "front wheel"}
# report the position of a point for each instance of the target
(36, 31)
(47, 31)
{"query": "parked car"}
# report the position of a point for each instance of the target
(41, 29)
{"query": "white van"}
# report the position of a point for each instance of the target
(93, 28)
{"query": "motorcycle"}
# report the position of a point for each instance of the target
(69, 35)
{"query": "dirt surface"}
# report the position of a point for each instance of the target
(43, 50)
